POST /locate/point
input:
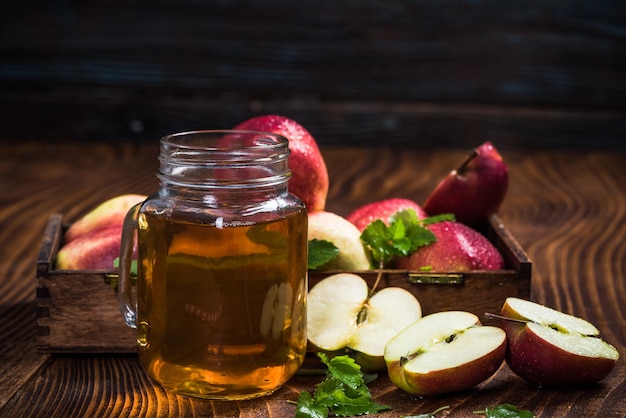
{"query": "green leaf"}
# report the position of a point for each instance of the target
(113, 281)
(321, 252)
(402, 237)
(343, 392)
(505, 411)
(133, 266)
(307, 408)
(378, 239)
(345, 370)
(439, 218)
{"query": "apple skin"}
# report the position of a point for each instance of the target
(331, 227)
(449, 380)
(446, 367)
(309, 180)
(383, 210)
(474, 191)
(458, 248)
(94, 250)
(531, 356)
(107, 214)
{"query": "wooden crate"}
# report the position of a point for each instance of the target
(77, 310)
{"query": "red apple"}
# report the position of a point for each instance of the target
(383, 210)
(91, 251)
(474, 191)
(551, 348)
(458, 248)
(309, 179)
(106, 215)
(444, 352)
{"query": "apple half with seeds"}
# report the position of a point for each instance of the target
(343, 316)
(551, 348)
(444, 352)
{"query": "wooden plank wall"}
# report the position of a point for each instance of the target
(427, 73)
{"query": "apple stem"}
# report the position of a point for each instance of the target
(379, 276)
(473, 154)
(438, 410)
(489, 315)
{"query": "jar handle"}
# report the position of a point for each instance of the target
(128, 304)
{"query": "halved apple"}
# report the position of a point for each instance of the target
(444, 352)
(551, 348)
(329, 226)
(342, 316)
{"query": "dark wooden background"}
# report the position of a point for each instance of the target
(524, 74)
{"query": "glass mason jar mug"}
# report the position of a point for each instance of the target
(220, 305)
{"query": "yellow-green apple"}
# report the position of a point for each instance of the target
(444, 352)
(383, 210)
(551, 348)
(93, 250)
(474, 191)
(107, 214)
(342, 315)
(309, 179)
(458, 248)
(328, 226)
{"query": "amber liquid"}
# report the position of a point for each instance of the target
(221, 311)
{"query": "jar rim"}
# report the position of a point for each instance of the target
(225, 158)
(182, 140)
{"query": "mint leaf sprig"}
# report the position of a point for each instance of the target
(321, 252)
(402, 237)
(343, 392)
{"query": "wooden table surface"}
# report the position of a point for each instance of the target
(566, 209)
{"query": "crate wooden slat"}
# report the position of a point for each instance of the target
(77, 310)
(476, 291)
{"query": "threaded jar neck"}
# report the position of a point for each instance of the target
(224, 159)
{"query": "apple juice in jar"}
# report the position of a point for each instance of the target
(222, 274)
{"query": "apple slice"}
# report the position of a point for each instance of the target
(344, 235)
(388, 312)
(551, 348)
(333, 306)
(444, 352)
(341, 315)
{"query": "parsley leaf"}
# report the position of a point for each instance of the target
(321, 252)
(402, 237)
(505, 411)
(308, 407)
(343, 392)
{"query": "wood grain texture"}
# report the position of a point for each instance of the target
(429, 73)
(566, 209)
